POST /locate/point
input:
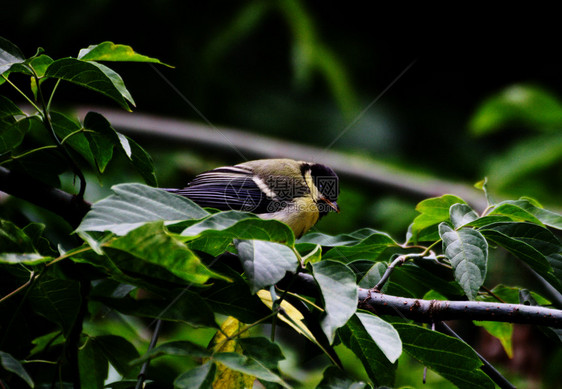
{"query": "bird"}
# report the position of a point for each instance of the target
(297, 193)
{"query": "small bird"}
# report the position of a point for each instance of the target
(297, 193)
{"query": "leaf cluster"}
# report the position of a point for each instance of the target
(146, 255)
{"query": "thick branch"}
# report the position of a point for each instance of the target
(68, 206)
(429, 311)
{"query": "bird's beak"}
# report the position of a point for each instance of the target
(332, 204)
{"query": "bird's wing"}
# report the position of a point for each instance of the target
(226, 188)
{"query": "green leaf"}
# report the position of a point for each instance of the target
(501, 331)
(374, 247)
(13, 239)
(526, 157)
(142, 162)
(378, 368)
(152, 243)
(339, 292)
(201, 377)
(92, 75)
(118, 351)
(109, 51)
(102, 140)
(64, 126)
(338, 240)
(12, 134)
(383, 334)
(8, 362)
(249, 366)
(533, 244)
(262, 350)
(41, 343)
(132, 205)
(58, 300)
(518, 104)
(432, 212)
(461, 214)
(372, 276)
(335, 378)
(265, 263)
(10, 54)
(8, 110)
(92, 365)
(185, 306)
(181, 348)
(548, 218)
(214, 233)
(452, 358)
(468, 252)
(40, 64)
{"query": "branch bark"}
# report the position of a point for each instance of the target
(429, 311)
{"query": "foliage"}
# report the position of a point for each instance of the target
(142, 253)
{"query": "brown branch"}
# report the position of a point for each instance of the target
(67, 206)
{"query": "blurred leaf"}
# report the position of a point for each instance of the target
(132, 205)
(92, 365)
(533, 244)
(152, 243)
(468, 252)
(9, 363)
(501, 331)
(335, 378)
(248, 366)
(41, 343)
(262, 349)
(187, 307)
(92, 75)
(525, 157)
(461, 214)
(118, 351)
(8, 110)
(526, 105)
(14, 239)
(450, 357)
(432, 212)
(355, 336)
(109, 51)
(339, 292)
(181, 348)
(265, 263)
(10, 54)
(200, 377)
(142, 161)
(56, 299)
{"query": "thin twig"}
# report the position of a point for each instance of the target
(142, 374)
(487, 367)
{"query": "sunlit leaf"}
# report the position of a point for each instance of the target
(339, 292)
(10, 54)
(548, 218)
(132, 205)
(9, 363)
(461, 214)
(250, 366)
(432, 212)
(265, 263)
(64, 126)
(355, 336)
(92, 75)
(467, 250)
(109, 51)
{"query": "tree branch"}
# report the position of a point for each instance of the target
(68, 206)
(428, 311)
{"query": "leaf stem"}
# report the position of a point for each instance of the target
(21, 92)
(20, 288)
(28, 152)
(52, 94)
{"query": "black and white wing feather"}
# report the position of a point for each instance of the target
(227, 188)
